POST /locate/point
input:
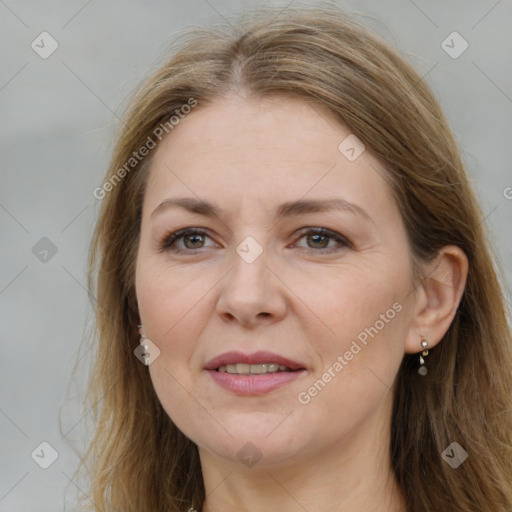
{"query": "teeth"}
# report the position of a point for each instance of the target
(253, 369)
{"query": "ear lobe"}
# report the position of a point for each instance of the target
(438, 298)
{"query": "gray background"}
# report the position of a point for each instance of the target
(58, 117)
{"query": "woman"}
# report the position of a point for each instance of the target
(297, 304)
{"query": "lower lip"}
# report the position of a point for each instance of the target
(253, 384)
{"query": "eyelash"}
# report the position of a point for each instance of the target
(167, 242)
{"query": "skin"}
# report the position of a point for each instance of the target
(249, 156)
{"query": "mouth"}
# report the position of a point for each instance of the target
(253, 374)
(255, 364)
(254, 369)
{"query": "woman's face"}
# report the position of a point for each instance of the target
(260, 276)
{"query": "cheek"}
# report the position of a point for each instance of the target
(172, 304)
(358, 367)
(357, 304)
(167, 299)
(359, 342)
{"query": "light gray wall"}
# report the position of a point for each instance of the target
(58, 115)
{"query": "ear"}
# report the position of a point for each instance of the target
(437, 298)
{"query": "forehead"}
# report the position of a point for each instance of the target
(265, 152)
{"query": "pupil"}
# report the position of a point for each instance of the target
(191, 237)
(316, 237)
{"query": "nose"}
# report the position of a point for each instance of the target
(251, 293)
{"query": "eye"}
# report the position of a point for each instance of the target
(318, 240)
(191, 240)
(187, 240)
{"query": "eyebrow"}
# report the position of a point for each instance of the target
(288, 209)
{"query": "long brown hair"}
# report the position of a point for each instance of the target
(140, 461)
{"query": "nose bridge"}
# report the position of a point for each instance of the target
(250, 289)
(250, 260)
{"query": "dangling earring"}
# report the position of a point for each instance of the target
(145, 353)
(422, 370)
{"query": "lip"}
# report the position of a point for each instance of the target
(256, 358)
(248, 385)
(253, 384)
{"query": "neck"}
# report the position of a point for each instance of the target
(351, 476)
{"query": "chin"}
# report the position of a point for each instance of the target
(255, 453)
(255, 444)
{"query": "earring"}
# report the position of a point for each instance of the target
(422, 370)
(145, 354)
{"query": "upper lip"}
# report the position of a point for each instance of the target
(255, 358)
